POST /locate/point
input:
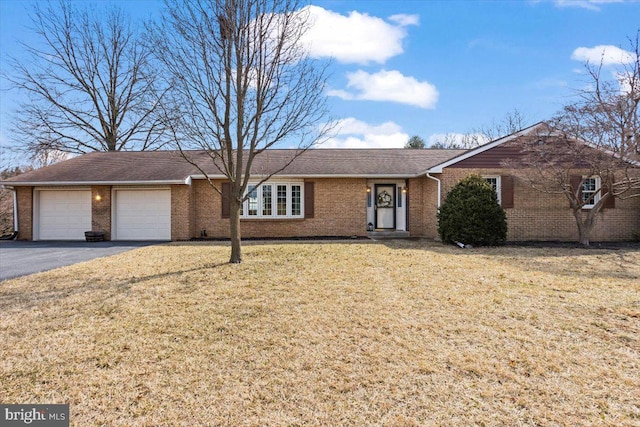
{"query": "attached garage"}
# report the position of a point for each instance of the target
(142, 214)
(62, 214)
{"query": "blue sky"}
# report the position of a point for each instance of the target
(426, 68)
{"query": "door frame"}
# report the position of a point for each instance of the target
(375, 205)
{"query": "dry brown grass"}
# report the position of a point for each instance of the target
(395, 334)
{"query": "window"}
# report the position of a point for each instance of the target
(282, 200)
(271, 200)
(296, 201)
(494, 182)
(589, 188)
(267, 200)
(252, 203)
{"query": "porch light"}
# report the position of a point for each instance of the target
(98, 197)
(404, 190)
(368, 189)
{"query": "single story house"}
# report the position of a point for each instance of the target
(324, 192)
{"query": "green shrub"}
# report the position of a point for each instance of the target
(471, 214)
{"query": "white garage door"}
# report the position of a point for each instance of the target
(143, 215)
(63, 214)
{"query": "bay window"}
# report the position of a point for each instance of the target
(274, 200)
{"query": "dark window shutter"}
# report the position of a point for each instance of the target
(226, 204)
(506, 191)
(576, 185)
(309, 199)
(610, 203)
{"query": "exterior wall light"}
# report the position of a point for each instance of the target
(98, 197)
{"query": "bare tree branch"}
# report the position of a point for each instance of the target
(89, 86)
(594, 138)
(240, 84)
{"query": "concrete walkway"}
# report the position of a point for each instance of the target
(20, 258)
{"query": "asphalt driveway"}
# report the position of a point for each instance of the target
(19, 258)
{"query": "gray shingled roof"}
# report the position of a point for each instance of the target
(170, 167)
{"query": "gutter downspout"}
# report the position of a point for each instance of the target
(438, 181)
(15, 211)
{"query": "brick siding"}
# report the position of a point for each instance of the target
(25, 213)
(182, 212)
(101, 209)
(423, 205)
(540, 216)
(338, 212)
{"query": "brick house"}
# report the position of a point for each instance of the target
(324, 192)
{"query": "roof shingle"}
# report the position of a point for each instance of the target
(170, 167)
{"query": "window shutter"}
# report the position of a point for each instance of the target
(226, 204)
(506, 191)
(610, 203)
(576, 185)
(309, 199)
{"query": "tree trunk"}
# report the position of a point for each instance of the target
(585, 226)
(583, 237)
(234, 230)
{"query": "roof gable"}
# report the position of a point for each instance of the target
(480, 155)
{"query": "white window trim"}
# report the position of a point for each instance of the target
(274, 201)
(498, 186)
(596, 198)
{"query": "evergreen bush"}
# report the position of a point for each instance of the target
(471, 214)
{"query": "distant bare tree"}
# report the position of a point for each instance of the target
(241, 82)
(512, 122)
(42, 158)
(589, 151)
(458, 141)
(6, 200)
(89, 85)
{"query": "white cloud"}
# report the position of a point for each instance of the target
(405, 20)
(388, 86)
(354, 133)
(357, 37)
(608, 54)
(585, 4)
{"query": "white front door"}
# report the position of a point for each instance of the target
(385, 206)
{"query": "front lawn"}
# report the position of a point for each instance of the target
(330, 333)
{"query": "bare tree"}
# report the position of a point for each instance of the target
(606, 113)
(6, 201)
(241, 82)
(89, 84)
(512, 122)
(42, 158)
(589, 151)
(458, 141)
